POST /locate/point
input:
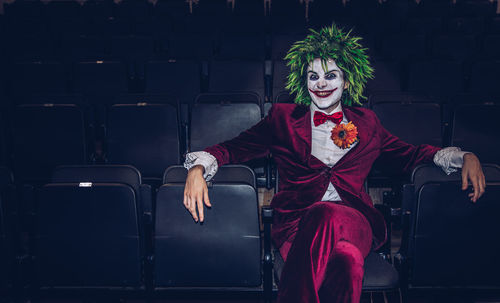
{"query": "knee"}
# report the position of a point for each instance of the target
(348, 256)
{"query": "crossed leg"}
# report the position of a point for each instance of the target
(325, 260)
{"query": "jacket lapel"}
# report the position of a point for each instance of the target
(364, 133)
(301, 118)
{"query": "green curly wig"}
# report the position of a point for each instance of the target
(329, 43)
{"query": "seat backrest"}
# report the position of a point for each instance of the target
(124, 174)
(88, 236)
(237, 75)
(132, 47)
(181, 78)
(228, 98)
(481, 136)
(455, 47)
(280, 76)
(403, 46)
(242, 46)
(226, 122)
(491, 46)
(231, 173)
(145, 136)
(481, 79)
(223, 251)
(446, 78)
(45, 136)
(387, 76)
(451, 237)
(431, 173)
(401, 118)
(101, 78)
(281, 44)
(194, 46)
(465, 25)
(37, 77)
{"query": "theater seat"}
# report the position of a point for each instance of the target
(480, 137)
(436, 77)
(145, 136)
(88, 231)
(45, 136)
(227, 115)
(400, 113)
(379, 275)
(237, 76)
(221, 253)
(448, 241)
(28, 78)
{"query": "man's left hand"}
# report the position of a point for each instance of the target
(471, 170)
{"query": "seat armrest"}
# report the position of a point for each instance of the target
(146, 198)
(267, 215)
(408, 198)
(267, 219)
(386, 212)
(407, 206)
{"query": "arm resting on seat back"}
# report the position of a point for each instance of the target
(450, 159)
(204, 159)
(202, 166)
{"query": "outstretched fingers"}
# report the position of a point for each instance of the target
(199, 204)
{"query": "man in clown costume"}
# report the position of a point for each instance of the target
(324, 146)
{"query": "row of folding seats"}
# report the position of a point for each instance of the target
(93, 230)
(436, 45)
(151, 137)
(469, 126)
(442, 78)
(139, 13)
(95, 227)
(241, 45)
(76, 246)
(147, 133)
(100, 82)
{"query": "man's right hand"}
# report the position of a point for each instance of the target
(196, 193)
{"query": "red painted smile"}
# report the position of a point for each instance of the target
(323, 93)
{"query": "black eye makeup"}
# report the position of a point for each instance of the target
(313, 77)
(330, 76)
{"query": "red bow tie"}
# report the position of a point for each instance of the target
(320, 118)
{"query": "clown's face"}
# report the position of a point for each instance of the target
(325, 86)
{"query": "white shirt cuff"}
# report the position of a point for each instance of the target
(204, 159)
(450, 159)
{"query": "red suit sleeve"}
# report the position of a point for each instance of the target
(399, 156)
(250, 144)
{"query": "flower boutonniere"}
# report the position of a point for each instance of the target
(344, 135)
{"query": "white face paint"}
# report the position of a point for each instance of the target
(325, 87)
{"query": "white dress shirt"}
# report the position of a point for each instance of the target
(323, 148)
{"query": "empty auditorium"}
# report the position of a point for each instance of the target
(249, 151)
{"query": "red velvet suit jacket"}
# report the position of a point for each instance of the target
(286, 133)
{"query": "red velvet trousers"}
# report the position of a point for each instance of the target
(324, 259)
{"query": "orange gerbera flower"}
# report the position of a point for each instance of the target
(344, 135)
